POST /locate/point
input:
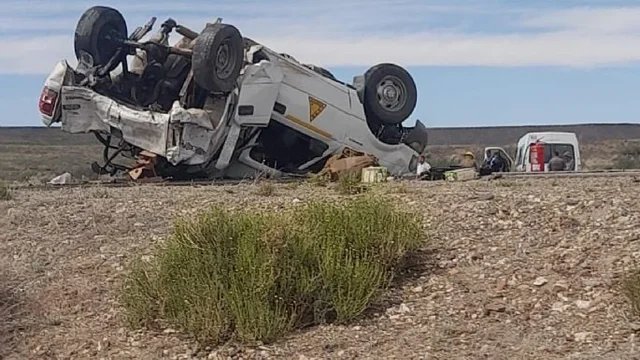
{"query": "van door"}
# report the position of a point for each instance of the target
(256, 100)
(258, 92)
(520, 163)
(509, 161)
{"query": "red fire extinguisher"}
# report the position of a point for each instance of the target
(536, 156)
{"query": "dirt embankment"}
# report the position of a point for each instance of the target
(511, 270)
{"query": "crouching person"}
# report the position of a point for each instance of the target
(423, 170)
(469, 161)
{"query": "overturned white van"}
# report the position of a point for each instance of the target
(216, 104)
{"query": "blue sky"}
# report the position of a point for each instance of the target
(475, 62)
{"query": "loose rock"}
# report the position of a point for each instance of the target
(539, 281)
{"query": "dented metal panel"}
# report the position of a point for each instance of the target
(85, 111)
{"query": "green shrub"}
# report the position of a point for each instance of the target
(628, 157)
(631, 288)
(349, 183)
(626, 162)
(254, 277)
(5, 192)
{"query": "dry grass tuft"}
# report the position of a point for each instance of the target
(631, 288)
(399, 189)
(11, 315)
(5, 191)
(628, 156)
(349, 183)
(318, 180)
(266, 188)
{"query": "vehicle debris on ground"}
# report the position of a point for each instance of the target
(347, 162)
(219, 105)
(61, 179)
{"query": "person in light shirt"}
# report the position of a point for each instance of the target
(423, 167)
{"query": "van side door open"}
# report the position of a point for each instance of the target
(509, 161)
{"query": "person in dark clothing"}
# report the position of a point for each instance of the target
(496, 162)
(487, 159)
(556, 163)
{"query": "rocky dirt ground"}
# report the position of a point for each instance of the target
(512, 269)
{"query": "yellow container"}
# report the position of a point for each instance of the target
(374, 174)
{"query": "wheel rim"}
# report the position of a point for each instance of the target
(225, 60)
(392, 93)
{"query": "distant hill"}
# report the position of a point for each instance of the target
(494, 135)
(32, 135)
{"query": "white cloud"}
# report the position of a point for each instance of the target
(588, 19)
(338, 33)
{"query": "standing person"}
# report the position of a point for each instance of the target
(569, 161)
(423, 167)
(487, 159)
(556, 163)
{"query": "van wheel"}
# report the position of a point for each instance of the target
(390, 94)
(218, 58)
(99, 33)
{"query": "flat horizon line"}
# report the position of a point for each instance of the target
(428, 127)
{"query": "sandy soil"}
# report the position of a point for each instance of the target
(525, 269)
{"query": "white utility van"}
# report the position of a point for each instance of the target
(221, 105)
(560, 142)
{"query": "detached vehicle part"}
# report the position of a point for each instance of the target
(217, 104)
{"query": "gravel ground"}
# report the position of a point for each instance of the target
(512, 269)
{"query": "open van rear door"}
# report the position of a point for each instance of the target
(488, 151)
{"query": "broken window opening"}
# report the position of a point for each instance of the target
(282, 148)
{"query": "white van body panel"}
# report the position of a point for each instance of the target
(561, 141)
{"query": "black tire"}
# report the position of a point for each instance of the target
(99, 33)
(400, 90)
(218, 57)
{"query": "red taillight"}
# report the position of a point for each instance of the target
(47, 103)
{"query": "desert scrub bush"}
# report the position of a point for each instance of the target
(12, 313)
(349, 183)
(5, 191)
(628, 156)
(254, 277)
(631, 288)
